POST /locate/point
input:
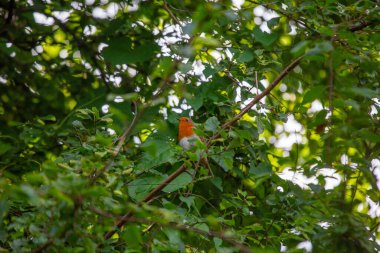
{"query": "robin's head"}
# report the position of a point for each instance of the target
(185, 128)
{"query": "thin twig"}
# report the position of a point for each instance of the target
(331, 107)
(331, 84)
(102, 213)
(363, 25)
(230, 76)
(257, 82)
(166, 7)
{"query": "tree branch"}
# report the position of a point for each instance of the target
(166, 7)
(363, 25)
(331, 107)
(11, 6)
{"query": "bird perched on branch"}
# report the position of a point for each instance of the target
(187, 138)
(186, 134)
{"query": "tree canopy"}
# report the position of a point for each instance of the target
(285, 94)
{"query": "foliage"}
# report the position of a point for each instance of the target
(90, 94)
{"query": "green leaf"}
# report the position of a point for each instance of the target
(256, 227)
(355, 105)
(49, 117)
(369, 135)
(184, 68)
(262, 170)
(212, 124)
(175, 238)
(132, 236)
(4, 207)
(163, 68)
(224, 159)
(123, 51)
(217, 242)
(139, 188)
(95, 112)
(318, 119)
(157, 151)
(206, 41)
(322, 47)
(31, 193)
(89, 245)
(317, 92)
(78, 124)
(326, 30)
(364, 92)
(181, 181)
(189, 201)
(273, 22)
(266, 39)
(300, 48)
(217, 181)
(260, 125)
(209, 71)
(315, 187)
(4, 147)
(196, 102)
(203, 227)
(246, 56)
